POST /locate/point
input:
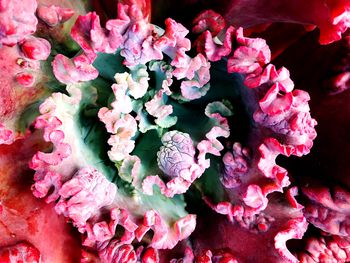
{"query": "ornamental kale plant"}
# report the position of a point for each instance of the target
(154, 131)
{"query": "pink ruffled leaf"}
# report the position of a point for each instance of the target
(251, 55)
(35, 48)
(116, 252)
(266, 233)
(130, 170)
(92, 38)
(288, 115)
(235, 166)
(174, 43)
(118, 120)
(158, 108)
(71, 71)
(254, 197)
(46, 183)
(217, 112)
(213, 48)
(208, 21)
(167, 236)
(328, 211)
(273, 103)
(53, 15)
(271, 75)
(83, 195)
(169, 226)
(295, 229)
(59, 113)
(326, 249)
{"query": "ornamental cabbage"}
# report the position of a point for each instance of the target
(211, 135)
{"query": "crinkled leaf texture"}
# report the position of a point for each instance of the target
(74, 175)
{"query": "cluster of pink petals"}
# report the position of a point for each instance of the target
(247, 213)
(279, 109)
(100, 232)
(250, 55)
(296, 229)
(283, 110)
(53, 169)
(35, 48)
(117, 252)
(139, 42)
(195, 70)
(249, 178)
(210, 21)
(176, 158)
(165, 237)
(92, 38)
(84, 195)
(29, 51)
(83, 199)
(269, 151)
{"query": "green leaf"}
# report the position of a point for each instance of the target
(109, 64)
(147, 146)
(209, 183)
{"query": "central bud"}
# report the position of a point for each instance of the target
(176, 156)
